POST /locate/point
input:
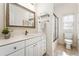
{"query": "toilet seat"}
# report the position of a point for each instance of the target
(68, 40)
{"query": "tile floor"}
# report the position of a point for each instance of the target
(60, 50)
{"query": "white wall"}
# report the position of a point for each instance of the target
(78, 25)
(1, 18)
(28, 5)
(65, 9)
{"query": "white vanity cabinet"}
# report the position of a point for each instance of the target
(33, 46)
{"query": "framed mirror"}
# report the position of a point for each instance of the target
(19, 16)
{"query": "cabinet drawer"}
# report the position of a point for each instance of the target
(32, 40)
(5, 50)
(18, 53)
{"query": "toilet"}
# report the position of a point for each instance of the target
(68, 43)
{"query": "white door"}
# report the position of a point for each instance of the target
(18, 53)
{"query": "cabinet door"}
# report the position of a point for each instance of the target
(43, 46)
(40, 48)
(26, 51)
(30, 50)
(18, 53)
(35, 49)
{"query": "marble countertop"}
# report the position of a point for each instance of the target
(18, 38)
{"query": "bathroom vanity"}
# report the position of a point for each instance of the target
(22, 45)
(29, 45)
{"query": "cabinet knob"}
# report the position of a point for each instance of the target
(14, 47)
(34, 45)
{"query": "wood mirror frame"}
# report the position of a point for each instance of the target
(8, 16)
